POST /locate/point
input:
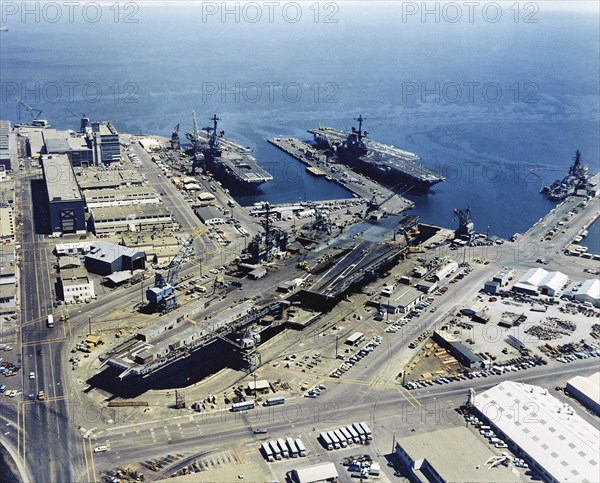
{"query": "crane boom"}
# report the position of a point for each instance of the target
(34, 113)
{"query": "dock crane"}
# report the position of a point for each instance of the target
(175, 138)
(84, 121)
(197, 151)
(466, 229)
(162, 296)
(34, 113)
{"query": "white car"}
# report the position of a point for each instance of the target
(32, 375)
(100, 449)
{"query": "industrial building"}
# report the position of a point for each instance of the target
(436, 457)
(7, 223)
(5, 145)
(556, 442)
(210, 215)
(586, 390)
(66, 205)
(403, 300)
(589, 292)
(119, 219)
(457, 349)
(445, 270)
(73, 145)
(105, 143)
(75, 286)
(315, 473)
(159, 248)
(106, 258)
(538, 280)
(122, 196)
(8, 280)
(101, 178)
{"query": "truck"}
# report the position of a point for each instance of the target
(341, 438)
(361, 432)
(50, 321)
(292, 446)
(367, 430)
(347, 435)
(284, 450)
(300, 446)
(267, 452)
(326, 440)
(272, 401)
(275, 449)
(334, 439)
(353, 432)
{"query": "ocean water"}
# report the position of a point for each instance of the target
(481, 102)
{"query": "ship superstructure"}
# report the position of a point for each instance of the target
(577, 178)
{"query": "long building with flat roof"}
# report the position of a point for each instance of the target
(66, 204)
(5, 151)
(554, 440)
(101, 178)
(586, 390)
(119, 219)
(128, 195)
(443, 456)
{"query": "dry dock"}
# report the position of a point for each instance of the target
(360, 185)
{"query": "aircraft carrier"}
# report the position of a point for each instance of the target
(227, 160)
(387, 163)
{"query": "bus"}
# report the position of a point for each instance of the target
(272, 401)
(367, 430)
(353, 432)
(267, 452)
(334, 439)
(341, 438)
(50, 321)
(292, 446)
(300, 446)
(326, 440)
(242, 406)
(361, 432)
(283, 447)
(275, 449)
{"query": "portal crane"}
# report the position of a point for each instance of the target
(162, 295)
(84, 121)
(466, 229)
(34, 113)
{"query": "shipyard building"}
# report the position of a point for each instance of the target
(75, 286)
(105, 143)
(586, 390)
(556, 442)
(65, 201)
(119, 219)
(5, 141)
(106, 258)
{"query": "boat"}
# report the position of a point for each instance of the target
(3, 29)
(394, 166)
(230, 162)
(577, 178)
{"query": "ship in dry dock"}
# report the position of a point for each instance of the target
(394, 166)
(232, 163)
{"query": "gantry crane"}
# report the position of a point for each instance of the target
(34, 113)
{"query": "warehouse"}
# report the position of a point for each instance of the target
(586, 390)
(446, 270)
(119, 219)
(210, 215)
(66, 204)
(122, 196)
(403, 300)
(106, 258)
(436, 456)
(457, 349)
(5, 141)
(558, 444)
(312, 474)
(538, 280)
(589, 292)
(101, 178)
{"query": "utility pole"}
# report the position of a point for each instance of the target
(336, 345)
(90, 323)
(393, 441)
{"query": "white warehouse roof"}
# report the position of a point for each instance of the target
(546, 430)
(589, 292)
(321, 472)
(538, 278)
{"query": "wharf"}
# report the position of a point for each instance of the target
(359, 185)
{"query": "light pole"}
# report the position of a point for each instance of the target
(90, 323)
